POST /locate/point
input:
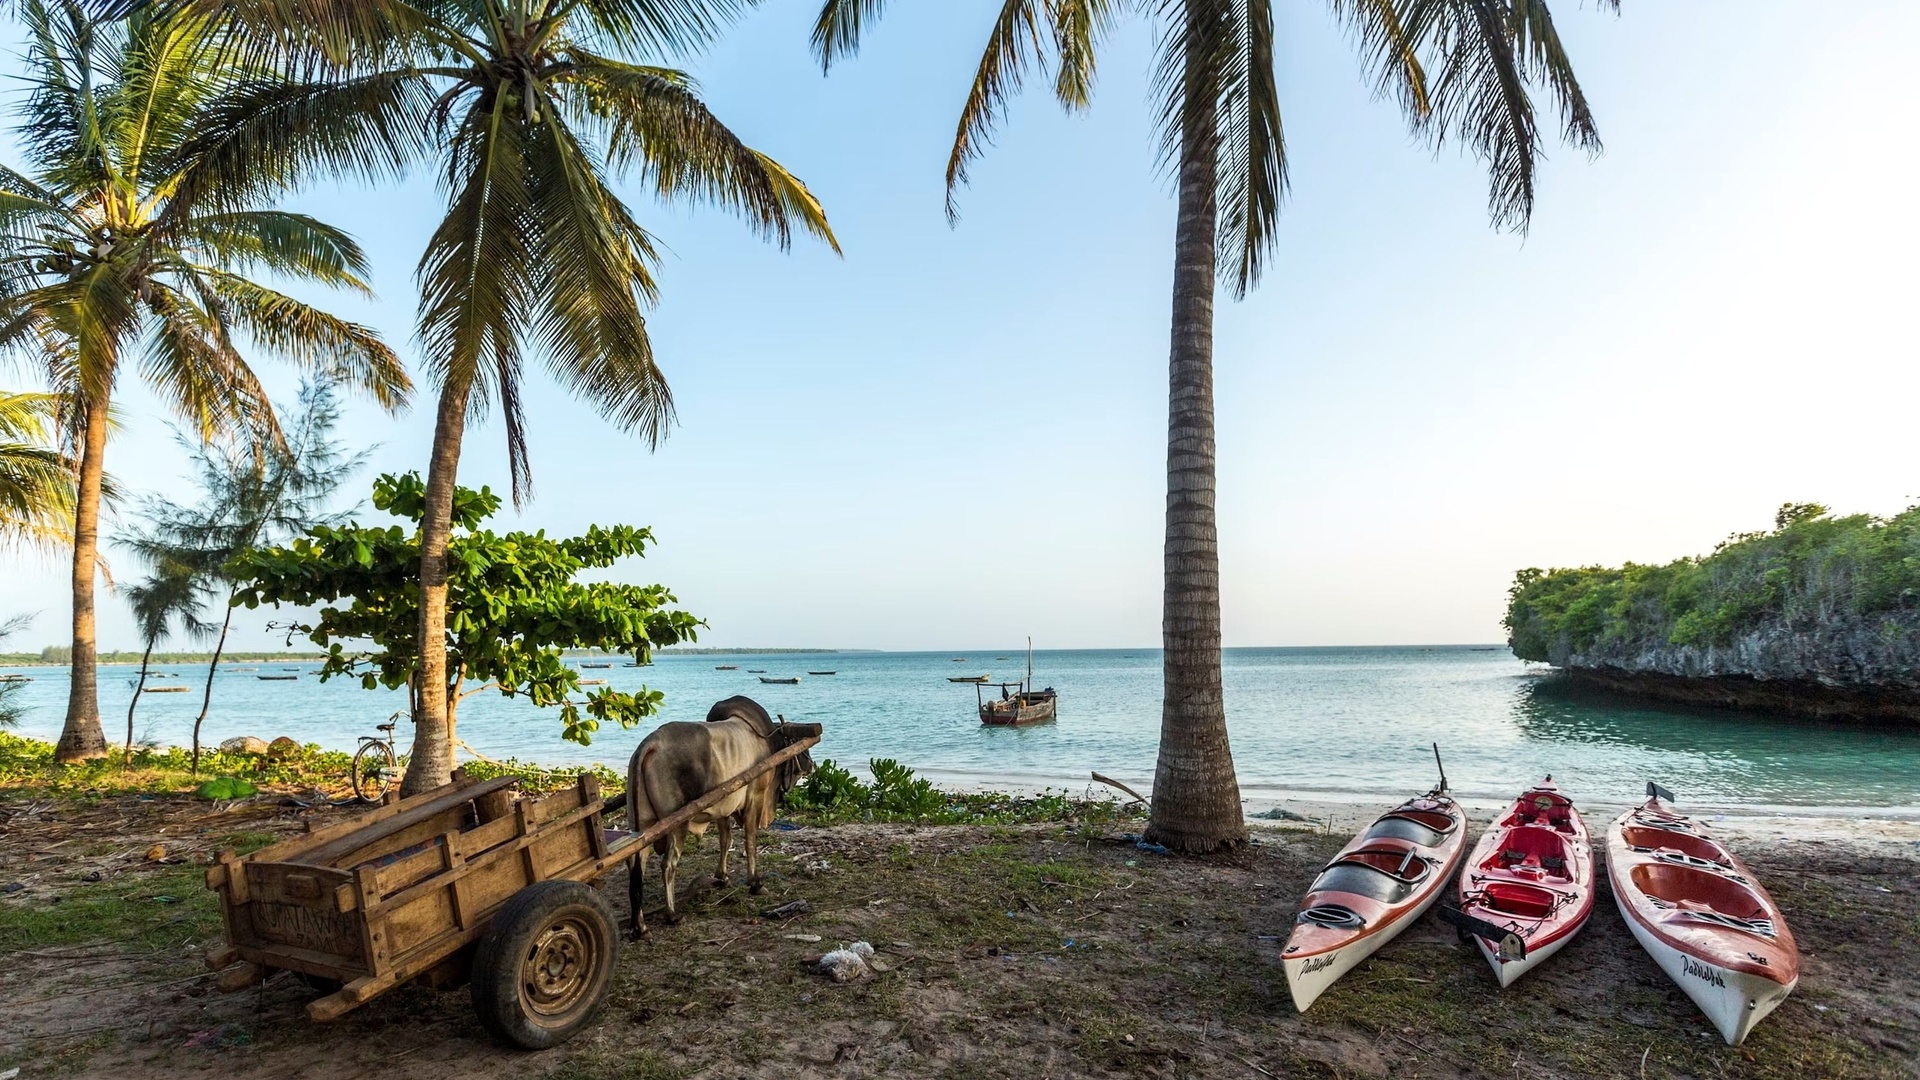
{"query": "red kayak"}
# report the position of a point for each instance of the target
(1377, 886)
(1702, 916)
(1530, 878)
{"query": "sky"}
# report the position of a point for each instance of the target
(954, 437)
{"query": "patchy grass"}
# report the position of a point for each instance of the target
(1012, 950)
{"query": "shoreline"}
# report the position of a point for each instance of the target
(1871, 830)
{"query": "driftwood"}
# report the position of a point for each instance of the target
(1112, 783)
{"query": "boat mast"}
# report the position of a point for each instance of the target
(1029, 686)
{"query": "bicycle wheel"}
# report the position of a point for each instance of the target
(374, 771)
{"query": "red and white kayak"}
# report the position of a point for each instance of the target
(1702, 916)
(1377, 886)
(1530, 876)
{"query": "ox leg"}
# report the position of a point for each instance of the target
(753, 861)
(670, 866)
(726, 846)
(636, 873)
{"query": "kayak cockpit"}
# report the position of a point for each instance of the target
(1688, 844)
(1533, 850)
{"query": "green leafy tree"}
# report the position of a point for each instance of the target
(1460, 69)
(255, 494)
(514, 605)
(171, 596)
(526, 109)
(119, 244)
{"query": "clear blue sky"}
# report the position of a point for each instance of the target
(952, 438)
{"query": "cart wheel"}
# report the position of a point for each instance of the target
(374, 771)
(544, 965)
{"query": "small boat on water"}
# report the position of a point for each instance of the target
(1000, 658)
(968, 678)
(1702, 915)
(726, 667)
(16, 678)
(959, 659)
(756, 671)
(593, 682)
(788, 681)
(1377, 886)
(596, 665)
(1530, 877)
(277, 678)
(823, 673)
(167, 689)
(1019, 703)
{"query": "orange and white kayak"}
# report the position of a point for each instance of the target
(1378, 885)
(1702, 916)
(1530, 876)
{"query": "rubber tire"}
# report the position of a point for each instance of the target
(510, 935)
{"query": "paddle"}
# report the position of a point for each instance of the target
(1442, 789)
(1655, 791)
(1511, 947)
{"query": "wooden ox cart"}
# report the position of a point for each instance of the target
(465, 883)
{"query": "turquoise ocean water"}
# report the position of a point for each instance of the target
(1303, 720)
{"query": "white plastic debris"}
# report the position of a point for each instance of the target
(848, 964)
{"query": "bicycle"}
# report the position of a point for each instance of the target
(376, 769)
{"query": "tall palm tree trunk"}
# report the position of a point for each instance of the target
(1196, 798)
(81, 737)
(432, 761)
(206, 695)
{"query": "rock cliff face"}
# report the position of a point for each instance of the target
(1866, 668)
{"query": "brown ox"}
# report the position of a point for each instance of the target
(679, 762)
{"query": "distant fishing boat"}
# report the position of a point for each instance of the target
(789, 681)
(726, 667)
(959, 659)
(756, 671)
(1019, 703)
(596, 665)
(157, 675)
(593, 682)
(289, 669)
(968, 678)
(16, 678)
(277, 678)
(167, 689)
(823, 673)
(999, 658)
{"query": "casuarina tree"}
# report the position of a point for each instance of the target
(1466, 70)
(254, 494)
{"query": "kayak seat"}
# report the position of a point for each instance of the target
(1698, 890)
(1516, 898)
(1409, 828)
(1368, 880)
(1698, 847)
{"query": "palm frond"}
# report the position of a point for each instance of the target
(837, 29)
(1014, 42)
(37, 480)
(343, 351)
(295, 245)
(1078, 28)
(1253, 148)
(656, 122)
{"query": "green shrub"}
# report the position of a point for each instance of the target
(1812, 569)
(831, 794)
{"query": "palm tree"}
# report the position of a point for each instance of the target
(173, 593)
(36, 479)
(115, 246)
(1461, 69)
(525, 110)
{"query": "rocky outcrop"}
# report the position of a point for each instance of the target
(1867, 668)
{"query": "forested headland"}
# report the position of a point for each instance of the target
(1819, 617)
